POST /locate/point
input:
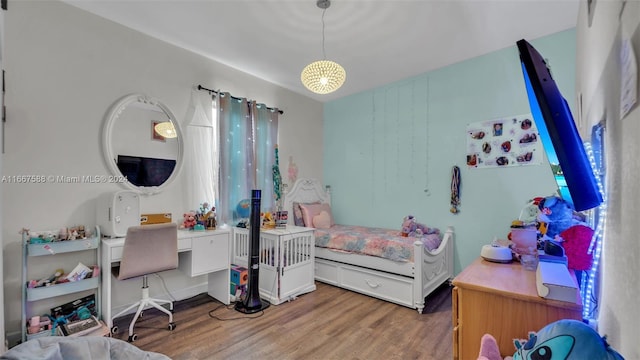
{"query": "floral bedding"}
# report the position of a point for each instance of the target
(384, 243)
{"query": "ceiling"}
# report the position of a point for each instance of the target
(376, 41)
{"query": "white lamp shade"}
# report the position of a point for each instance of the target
(323, 76)
(166, 129)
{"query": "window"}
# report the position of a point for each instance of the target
(590, 280)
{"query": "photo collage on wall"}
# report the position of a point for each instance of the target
(509, 141)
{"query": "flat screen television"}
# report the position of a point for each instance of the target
(144, 171)
(560, 138)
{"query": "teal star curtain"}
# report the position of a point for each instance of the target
(236, 155)
(266, 140)
(248, 136)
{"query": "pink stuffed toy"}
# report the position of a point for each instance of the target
(189, 220)
(489, 349)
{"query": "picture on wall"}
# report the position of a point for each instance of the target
(509, 141)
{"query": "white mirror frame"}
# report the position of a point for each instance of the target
(107, 135)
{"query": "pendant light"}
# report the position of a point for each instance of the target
(166, 129)
(323, 76)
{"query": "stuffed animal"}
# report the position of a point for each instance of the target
(412, 228)
(576, 242)
(557, 214)
(563, 339)
(189, 220)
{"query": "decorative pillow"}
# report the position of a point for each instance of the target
(297, 213)
(311, 210)
(322, 220)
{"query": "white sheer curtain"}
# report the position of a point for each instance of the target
(201, 151)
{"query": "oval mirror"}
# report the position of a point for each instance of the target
(142, 141)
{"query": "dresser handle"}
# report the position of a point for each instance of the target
(372, 284)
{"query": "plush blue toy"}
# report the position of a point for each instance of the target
(565, 340)
(557, 213)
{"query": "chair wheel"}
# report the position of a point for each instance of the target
(171, 326)
(114, 329)
(133, 338)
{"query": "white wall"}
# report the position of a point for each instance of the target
(598, 79)
(65, 67)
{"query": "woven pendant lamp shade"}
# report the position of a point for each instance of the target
(323, 76)
(166, 129)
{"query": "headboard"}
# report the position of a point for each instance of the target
(304, 191)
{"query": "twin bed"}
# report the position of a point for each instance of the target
(373, 261)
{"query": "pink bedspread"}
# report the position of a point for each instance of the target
(384, 243)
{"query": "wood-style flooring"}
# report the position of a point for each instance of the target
(328, 323)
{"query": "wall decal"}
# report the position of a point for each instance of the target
(508, 141)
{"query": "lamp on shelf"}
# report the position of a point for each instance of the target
(323, 76)
(166, 129)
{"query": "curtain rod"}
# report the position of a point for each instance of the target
(202, 88)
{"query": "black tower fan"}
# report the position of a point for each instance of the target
(252, 302)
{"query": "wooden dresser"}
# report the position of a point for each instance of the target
(501, 300)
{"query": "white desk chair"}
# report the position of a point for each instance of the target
(148, 249)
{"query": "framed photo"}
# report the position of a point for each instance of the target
(154, 133)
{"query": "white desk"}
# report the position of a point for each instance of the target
(208, 252)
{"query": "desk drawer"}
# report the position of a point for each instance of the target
(116, 251)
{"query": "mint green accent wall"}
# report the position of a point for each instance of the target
(389, 152)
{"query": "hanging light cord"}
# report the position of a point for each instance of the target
(324, 55)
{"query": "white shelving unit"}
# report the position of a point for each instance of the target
(51, 249)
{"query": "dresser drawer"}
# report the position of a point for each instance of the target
(393, 288)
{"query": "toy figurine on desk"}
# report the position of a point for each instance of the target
(203, 219)
(207, 217)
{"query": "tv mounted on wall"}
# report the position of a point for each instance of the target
(560, 138)
(144, 171)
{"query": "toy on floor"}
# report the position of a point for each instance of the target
(562, 340)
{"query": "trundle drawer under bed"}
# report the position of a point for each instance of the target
(390, 287)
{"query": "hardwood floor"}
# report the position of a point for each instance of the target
(329, 323)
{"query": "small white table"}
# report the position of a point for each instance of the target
(208, 253)
(287, 259)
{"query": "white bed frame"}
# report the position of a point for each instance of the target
(403, 283)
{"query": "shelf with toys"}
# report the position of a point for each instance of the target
(59, 283)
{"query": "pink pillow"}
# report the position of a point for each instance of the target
(297, 213)
(322, 220)
(311, 210)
